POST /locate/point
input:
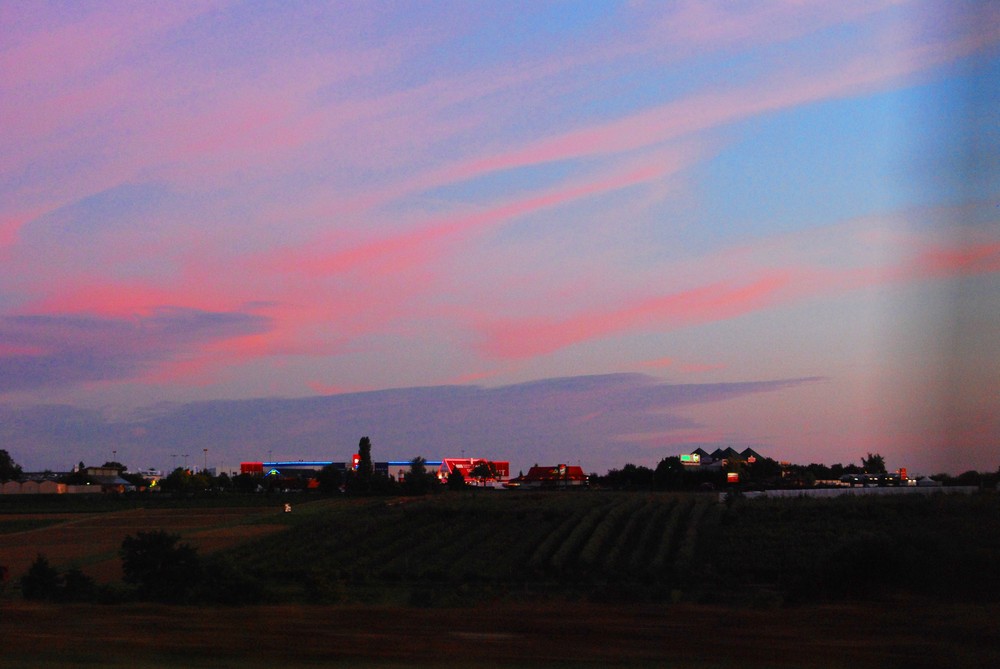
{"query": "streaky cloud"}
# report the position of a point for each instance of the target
(590, 419)
(63, 349)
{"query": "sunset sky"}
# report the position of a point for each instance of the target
(584, 232)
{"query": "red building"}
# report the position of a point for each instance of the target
(559, 476)
(252, 468)
(473, 470)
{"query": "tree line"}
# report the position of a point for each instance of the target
(669, 474)
(156, 567)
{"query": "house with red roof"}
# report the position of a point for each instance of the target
(559, 476)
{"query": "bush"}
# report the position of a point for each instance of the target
(77, 587)
(41, 582)
(222, 582)
(163, 570)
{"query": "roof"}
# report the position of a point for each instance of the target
(111, 481)
(553, 474)
(729, 452)
(465, 467)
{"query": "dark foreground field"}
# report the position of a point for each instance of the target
(532, 580)
(567, 634)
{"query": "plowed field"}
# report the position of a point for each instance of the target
(91, 541)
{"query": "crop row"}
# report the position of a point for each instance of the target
(487, 538)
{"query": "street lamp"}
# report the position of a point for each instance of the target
(205, 469)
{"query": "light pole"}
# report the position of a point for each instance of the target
(205, 468)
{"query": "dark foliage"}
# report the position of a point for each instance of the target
(873, 463)
(456, 481)
(9, 470)
(77, 587)
(41, 582)
(629, 477)
(419, 481)
(330, 478)
(162, 569)
(366, 467)
(224, 582)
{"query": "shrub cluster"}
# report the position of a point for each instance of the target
(156, 568)
(43, 582)
(163, 570)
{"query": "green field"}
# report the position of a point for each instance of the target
(630, 547)
(463, 548)
(536, 580)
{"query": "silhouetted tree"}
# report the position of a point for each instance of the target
(669, 474)
(629, 477)
(366, 467)
(223, 482)
(968, 478)
(246, 483)
(9, 470)
(41, 582)
(418, 481)
(456, 480)
(162, 569)
(330, 479)
(77, 587)
(178, 480)
(483, 472)
(873, 463)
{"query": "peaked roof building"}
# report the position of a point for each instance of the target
(559, 476)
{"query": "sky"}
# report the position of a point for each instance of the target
(594, 233)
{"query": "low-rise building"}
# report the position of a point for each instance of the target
(558, 476)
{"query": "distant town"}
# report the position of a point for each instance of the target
(729, 470)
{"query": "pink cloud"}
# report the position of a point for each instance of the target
(11, 224)
(321, 388)
(700, 24)
(851, 75)
(11, 350)
(517, 338)
(380, 279)
(980, 258)
(46, 54)
(659, 362)
(420, 246)
(778, 271)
